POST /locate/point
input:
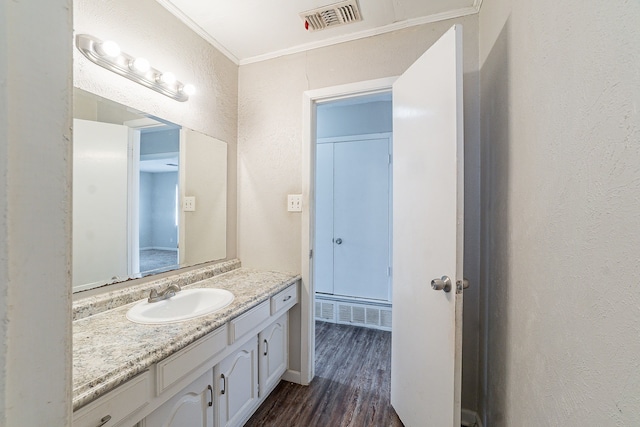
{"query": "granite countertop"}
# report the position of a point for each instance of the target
(108, 349)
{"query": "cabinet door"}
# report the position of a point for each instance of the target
(237, 385)
(273, 354)
(193, 406)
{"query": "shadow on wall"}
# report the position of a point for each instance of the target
(494, 98)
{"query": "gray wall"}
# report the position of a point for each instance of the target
(159, 141)
(560, 90)
(157, 210)
(145, 228)
(358, 119)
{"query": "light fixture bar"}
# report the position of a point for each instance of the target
(123, 64)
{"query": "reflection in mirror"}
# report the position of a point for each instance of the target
(148, 195)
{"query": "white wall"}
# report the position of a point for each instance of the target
(269, 149)
(35, 213)
(145, 28)
(560, 91)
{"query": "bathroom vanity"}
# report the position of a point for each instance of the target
(213, 370)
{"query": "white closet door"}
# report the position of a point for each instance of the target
(361, 218)
(352, 238)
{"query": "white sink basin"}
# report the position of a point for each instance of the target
(184, 305)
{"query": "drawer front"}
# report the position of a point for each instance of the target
(117, 405)
(248, 321)
(174, 368)
(284, 299)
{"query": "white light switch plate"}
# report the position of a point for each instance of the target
(189, 204)
(294, 203)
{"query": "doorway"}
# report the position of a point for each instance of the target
(352, 226)
(311, 100)
(158, 200)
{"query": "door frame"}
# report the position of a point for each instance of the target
(309, 126)
(133, 183)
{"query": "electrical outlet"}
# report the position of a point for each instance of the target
(294, 203)
(189, 204)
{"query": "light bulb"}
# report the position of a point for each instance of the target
(168, 78)
(189, 89)
(140, 65)
(109, 48)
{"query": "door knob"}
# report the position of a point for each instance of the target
(441, 284)
(338, 241)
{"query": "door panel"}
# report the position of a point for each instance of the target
(190, 407)
(100, 167)
(427, 236)
(323, 259)
(361, 218)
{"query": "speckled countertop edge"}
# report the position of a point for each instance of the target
(85, 307)
(108, 349)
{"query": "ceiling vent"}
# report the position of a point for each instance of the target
(333, 15)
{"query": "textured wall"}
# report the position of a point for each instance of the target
(35, 213)
(145, 28)
(270, 156)
(560, 89)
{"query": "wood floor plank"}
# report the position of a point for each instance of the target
(351, 387)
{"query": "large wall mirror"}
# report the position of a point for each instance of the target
(149, 196)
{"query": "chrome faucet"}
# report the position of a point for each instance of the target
(171, 290)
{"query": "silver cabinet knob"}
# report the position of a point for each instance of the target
(441, 284)
(338, 241)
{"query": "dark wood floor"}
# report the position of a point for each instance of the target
(351, 387)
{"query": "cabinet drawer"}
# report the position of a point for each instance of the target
(116, 405)
(174, 368)
(284, 299)
(248, 321)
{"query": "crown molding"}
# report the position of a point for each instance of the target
(198, 29)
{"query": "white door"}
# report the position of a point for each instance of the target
(428, 236)
(352, 219)
(273, 354)
(100, 162)
(192, 406)
(237, 393)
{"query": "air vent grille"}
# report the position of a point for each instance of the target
(325, 310)
(354, 313)
(341, 13)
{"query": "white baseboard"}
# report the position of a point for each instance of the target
(470, 418)
(159, 248)
(292, 376)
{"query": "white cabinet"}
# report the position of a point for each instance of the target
(192, 406)
(116, 408)
(217, 381)
(236, 379)
(273, 354)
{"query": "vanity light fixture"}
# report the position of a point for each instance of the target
(107, 54)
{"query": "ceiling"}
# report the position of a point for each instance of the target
(254, 30)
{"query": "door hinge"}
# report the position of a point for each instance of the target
(310, 253)
(389, 271)
(390, 158)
